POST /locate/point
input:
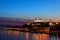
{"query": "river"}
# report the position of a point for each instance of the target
(17, 35)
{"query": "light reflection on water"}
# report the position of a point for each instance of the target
(17, 35)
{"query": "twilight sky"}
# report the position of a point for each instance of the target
(29, 8)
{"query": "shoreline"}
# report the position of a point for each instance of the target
(30, 31)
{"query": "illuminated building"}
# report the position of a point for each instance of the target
(38, 20)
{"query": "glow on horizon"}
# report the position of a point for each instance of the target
(30, 8)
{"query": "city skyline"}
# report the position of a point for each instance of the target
(28, 19)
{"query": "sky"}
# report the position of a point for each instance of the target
(30, 8)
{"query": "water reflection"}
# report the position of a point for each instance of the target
(54, 37)
(40, 36)
(17, 35)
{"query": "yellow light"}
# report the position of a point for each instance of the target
(57, 23)
(28, 23)
(32, 24)
(50, 24)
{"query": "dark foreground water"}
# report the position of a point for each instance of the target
(17, 35)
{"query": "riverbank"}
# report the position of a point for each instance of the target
(30, 30)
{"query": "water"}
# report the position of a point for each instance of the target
(17, 35)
